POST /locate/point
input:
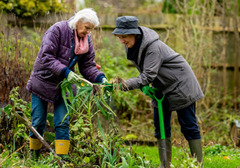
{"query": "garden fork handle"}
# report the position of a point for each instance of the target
(162, 131)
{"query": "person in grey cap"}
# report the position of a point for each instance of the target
(167, 71)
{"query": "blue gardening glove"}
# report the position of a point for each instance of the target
(73, 77)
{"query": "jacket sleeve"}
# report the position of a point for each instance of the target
(49, 50)
(151, 65)
(87, 65)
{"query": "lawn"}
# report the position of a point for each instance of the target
(216, 156)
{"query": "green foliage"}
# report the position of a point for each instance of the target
(189, 162)
(181, 6)
(180, 159)
(18, 160)
(169, 6)
(215, 149)
(221, 156)
(92, 149)
(110, 157)
(195, 7)
(221, 150)
(18, 103)
(219, 162)
(31, 8)
(87, 96)
(147, 157)
(18, 133)
(83, 107)
(131, 161)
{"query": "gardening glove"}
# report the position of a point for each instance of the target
(152, 92)
(147, 90)
(73, 77)
(104, 80)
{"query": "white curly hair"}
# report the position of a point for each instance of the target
(84, 15)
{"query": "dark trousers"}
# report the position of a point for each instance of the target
(186, 118)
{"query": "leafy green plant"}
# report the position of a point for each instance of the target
(221, 150)
(216, 149)
(18, 132)
(110, 157)
(129, 161)
(88, 101)
(26, 8)
(85, 105)
(88, 95)
(189, 162)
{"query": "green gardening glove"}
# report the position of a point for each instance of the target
(147, 90)
(73, 77)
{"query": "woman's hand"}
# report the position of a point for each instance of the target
(73, 77)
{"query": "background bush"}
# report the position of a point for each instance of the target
(33, 8)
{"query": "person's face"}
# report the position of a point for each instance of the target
(83, 28)
(128, 40)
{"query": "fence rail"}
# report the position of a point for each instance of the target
(154, 21)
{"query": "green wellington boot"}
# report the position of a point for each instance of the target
(169, 152)
(196, 149)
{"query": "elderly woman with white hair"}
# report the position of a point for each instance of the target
(63, 45)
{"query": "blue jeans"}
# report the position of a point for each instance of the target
(186, 118)
(39, 117)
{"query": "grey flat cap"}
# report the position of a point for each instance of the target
(126, 25)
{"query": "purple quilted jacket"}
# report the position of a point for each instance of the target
(54, 55)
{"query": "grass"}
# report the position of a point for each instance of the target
(219, 162)
(151, 154)
(213, 158)
(178, 155)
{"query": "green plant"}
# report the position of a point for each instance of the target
(109, 158)
(129, 161)
(18, 132)
(27, 8)
(189, 162)
(85, 105)
(88, 97)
